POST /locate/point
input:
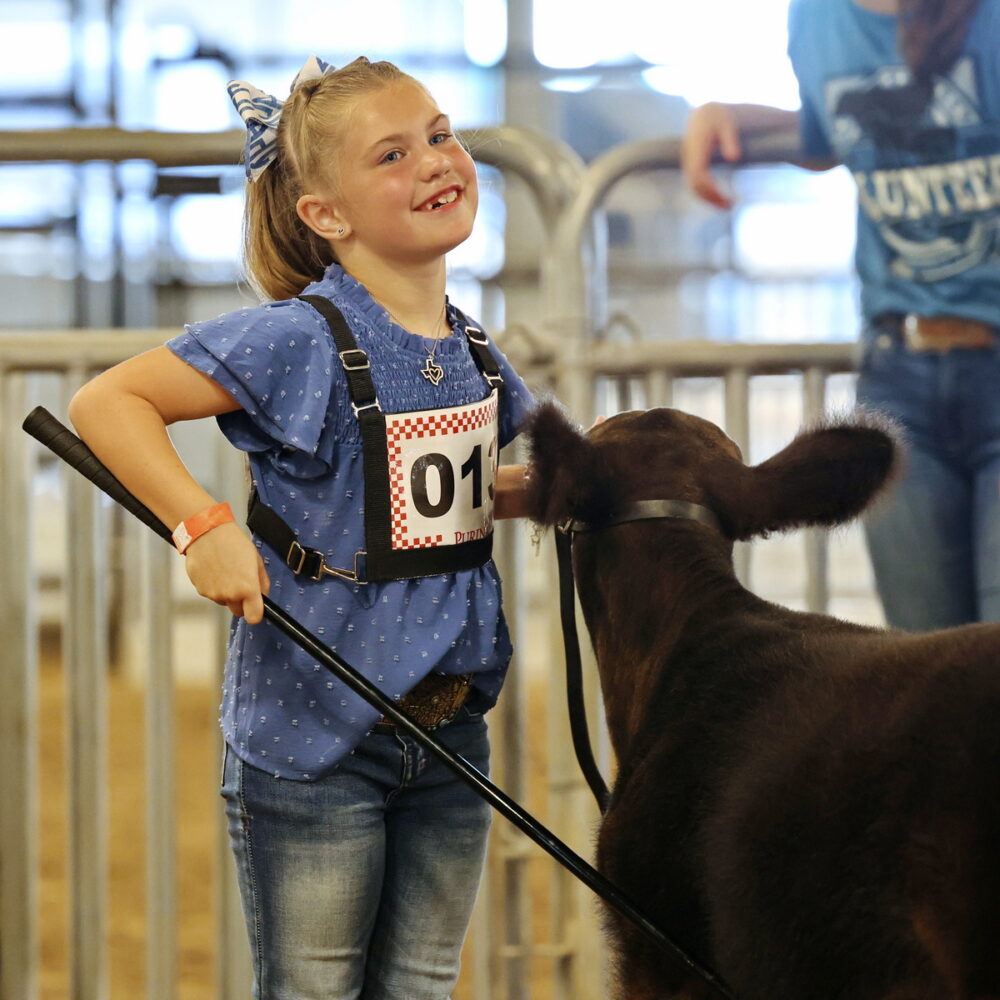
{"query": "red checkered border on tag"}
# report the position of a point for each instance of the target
(434, 423)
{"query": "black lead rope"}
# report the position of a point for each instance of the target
(636, 510)
(45, 428)
(574, 673)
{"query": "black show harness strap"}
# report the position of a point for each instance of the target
(574, 674)
(638, 510)
(379, 561)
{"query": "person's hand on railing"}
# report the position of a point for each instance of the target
(712, 128)
(721, 131)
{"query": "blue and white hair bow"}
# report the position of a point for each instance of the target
(260, 113)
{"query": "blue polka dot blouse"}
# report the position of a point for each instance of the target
(281, 711)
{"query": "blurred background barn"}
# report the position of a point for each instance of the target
(603, 279)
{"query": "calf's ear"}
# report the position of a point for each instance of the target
(826, 476)
(566, 475)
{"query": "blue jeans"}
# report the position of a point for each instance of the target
(361, 884)
(935, 539)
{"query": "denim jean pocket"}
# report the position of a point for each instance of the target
(467, 714)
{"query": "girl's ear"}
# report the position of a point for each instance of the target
(824, 477)
(567, 476)
(322, 217)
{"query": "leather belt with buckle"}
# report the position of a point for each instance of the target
(945, 333)
(433, 703)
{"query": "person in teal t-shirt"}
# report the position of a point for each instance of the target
(906, 93)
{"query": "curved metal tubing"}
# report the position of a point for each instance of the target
(610, 167)
(550, 169)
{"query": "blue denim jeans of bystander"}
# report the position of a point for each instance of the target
(360, 886)
(935, 539)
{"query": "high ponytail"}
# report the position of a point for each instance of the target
(281, 254)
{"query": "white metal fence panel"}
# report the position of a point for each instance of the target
(510, 946)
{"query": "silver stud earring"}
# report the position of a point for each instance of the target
(340, 232)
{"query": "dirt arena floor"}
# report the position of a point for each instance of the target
(195, 721)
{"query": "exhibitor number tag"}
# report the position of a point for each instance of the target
(442, 470)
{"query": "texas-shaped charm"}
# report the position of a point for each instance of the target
(432, 372)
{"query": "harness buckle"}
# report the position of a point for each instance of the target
(296, 561)
(366, 406)
(295, 551)
(345, 574)
(352, 367)
(298, 556)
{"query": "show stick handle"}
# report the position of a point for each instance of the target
(63, 443)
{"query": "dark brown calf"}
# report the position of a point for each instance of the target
(810, 807)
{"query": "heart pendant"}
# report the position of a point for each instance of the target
(432, 372)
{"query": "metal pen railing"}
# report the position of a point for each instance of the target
(550, 171)
(557, 349)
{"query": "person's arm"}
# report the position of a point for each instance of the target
(510, 493)
(719, 128)
(122, 415)
(511, 490)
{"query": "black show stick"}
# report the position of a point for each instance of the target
(59, 439)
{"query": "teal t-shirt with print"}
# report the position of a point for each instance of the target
(927, 170)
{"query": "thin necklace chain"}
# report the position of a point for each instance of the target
(438, 334)
(438, 327)
(431, 371)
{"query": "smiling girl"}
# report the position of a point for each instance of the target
(372, 411)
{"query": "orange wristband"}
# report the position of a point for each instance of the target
(196, 526)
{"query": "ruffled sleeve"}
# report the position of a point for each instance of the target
(517, 398)
(277, 361)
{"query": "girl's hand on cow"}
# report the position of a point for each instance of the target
(225, 566)
(711, 128)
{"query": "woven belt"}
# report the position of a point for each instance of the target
(433, 703)
(945, 333)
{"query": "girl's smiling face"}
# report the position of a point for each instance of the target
(406, 187)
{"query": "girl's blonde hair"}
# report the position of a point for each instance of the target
(281, 254)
